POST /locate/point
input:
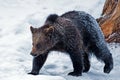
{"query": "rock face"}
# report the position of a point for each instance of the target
(110, 21)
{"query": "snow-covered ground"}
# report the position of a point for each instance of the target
(15, 40)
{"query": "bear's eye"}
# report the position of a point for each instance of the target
(38, 46)
(50, 36)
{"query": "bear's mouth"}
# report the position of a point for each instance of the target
(36, 55)
(33, 54)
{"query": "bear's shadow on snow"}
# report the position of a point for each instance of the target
(51, 66)
(90, 75)
(53, 70)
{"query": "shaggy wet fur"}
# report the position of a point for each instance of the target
(76, 33)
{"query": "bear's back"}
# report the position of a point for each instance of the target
(87, 26)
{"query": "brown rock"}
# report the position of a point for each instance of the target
(110, 20)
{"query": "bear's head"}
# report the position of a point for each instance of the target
(44, 38)
(47, 36)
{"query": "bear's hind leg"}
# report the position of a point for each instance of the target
(102, 53)
(108, 63)
(38, 63)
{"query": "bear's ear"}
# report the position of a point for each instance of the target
(33, 30)
(49, 30)
(52, 18)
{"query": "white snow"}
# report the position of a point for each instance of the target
(15, 40)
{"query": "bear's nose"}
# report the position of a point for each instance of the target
(33, 54)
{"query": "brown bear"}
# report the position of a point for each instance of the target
(76, 33)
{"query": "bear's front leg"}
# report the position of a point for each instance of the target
(86, 62)
(38, 63)
(77, 61)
